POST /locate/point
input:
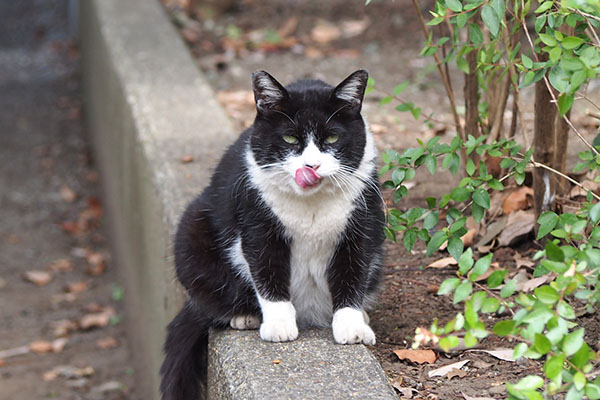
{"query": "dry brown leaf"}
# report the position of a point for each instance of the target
(355, 27)
(68, 372)
(522, 261)
(96, 320)
(325, 32)
(76, 287)
(106, 343)
(2, 363)
(493, 230)
(59, 344)
(41, 346)
(577, 191)
(456, 372)
(443, 371)
(493, 267)
(62, 327)
(62, 264)
(288, 27)
(96, 262)
(501, 353)
(67, 194)
(519, 223)
(417, 356)
(520, 199)
(443, 263)
(37, 277)
(529, 285)
(93, 308)
(186, 159)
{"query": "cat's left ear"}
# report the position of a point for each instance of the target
(352, 89)
(268, 93)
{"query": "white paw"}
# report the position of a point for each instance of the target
(349, 327)
(282, 330)
(243, 322)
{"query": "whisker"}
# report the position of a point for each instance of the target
(335, 112)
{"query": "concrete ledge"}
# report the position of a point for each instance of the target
(146, 107)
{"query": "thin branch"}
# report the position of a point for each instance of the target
(573, 181)
(447, 86)
(584, 14)
(567, 120)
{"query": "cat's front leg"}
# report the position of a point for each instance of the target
(279, 321)
(349, 326)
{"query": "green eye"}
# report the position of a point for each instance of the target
(290, 139)
(331, 139)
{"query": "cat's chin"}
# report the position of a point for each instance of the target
(308, 190)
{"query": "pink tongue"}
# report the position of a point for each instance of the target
(307, 177)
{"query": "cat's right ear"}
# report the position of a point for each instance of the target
(268, 93)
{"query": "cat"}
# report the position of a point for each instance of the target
(289, 232)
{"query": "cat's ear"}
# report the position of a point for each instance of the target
(352, 89)
(268, 93)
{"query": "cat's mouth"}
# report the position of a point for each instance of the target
(307, 177)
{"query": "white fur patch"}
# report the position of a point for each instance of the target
(279, 320)
(349, 326)
(351, 91)
(240, 265)
(272, 94)
(313, 219)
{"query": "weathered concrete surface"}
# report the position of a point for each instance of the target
(146, 107)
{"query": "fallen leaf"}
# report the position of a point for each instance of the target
(443, 263)
(76, 287)
(41, 346)
(456, 372)
(106, 343)
(467, 397)
(68, 372)
(288, 27)
(501, 353)
(577, 191)
(2, 363)
(62, 327)
(493, 267)
(325, 32)
(493, 230)
(37, 277)
(62, 264)
(519, 224)
(417, 356)
(67, 194)
(109, 386)
(353, 28)
(96, 262)
(529, 285)
(520, 199)
(443, 371)
(93, 308)
(276, 361)
(17, 351)
(59, 344)
(523, 261)
(96, 320)
(186, 159)
(493, 165)
(481, 364)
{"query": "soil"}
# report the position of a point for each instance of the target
(312, 39)
(70, 329)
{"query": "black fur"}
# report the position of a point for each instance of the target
(231, 207)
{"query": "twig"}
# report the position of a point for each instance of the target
(592, 114)
(573, 181)
(524, 25)
(447, 86)
(17, 351)
(584, 14)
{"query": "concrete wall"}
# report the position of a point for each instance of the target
(147, 106)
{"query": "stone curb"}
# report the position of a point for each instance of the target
(147, 106)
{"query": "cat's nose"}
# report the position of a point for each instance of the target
(314, 166)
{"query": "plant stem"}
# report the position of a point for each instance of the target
(573, 181)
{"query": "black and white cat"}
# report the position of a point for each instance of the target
(288, 233)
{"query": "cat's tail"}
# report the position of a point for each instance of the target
(183, 372)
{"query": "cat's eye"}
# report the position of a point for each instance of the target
(331, 139)
(290, 139)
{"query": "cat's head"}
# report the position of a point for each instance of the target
(310, 136)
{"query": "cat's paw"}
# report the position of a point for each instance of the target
(282, 330)
(243, 322)
(349, 327)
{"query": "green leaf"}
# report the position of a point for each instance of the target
(400, 88)
(579, 380)
(547, 221)
(594, 213)
(504, 328)
(548, 40)
(436, 241)
(460, 194)
(475, 34)
(553, 252)
(431, 220)
(565, 310)
(573, 342)
(527, 62)
(409, 239)
(592, 391)
(481, 267)
(448, 286)
(530, 382)
(470, 167)
(520, 350)
(449, 342)
(553, 366)
(462, 292)
(465, 262)
(490, 19)
(390, 234)
(477, 212)
(490, 305)
(454, 5)
(509, 288)
(431, 163)
(499, 7)
(496, 278)
(544, 7)
(542, 344)
(455, 247)
(571, 42)
(565, 101)
(546, 294)
(482, 198)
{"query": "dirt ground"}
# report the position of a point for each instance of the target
(329, 40)
(62, 329)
